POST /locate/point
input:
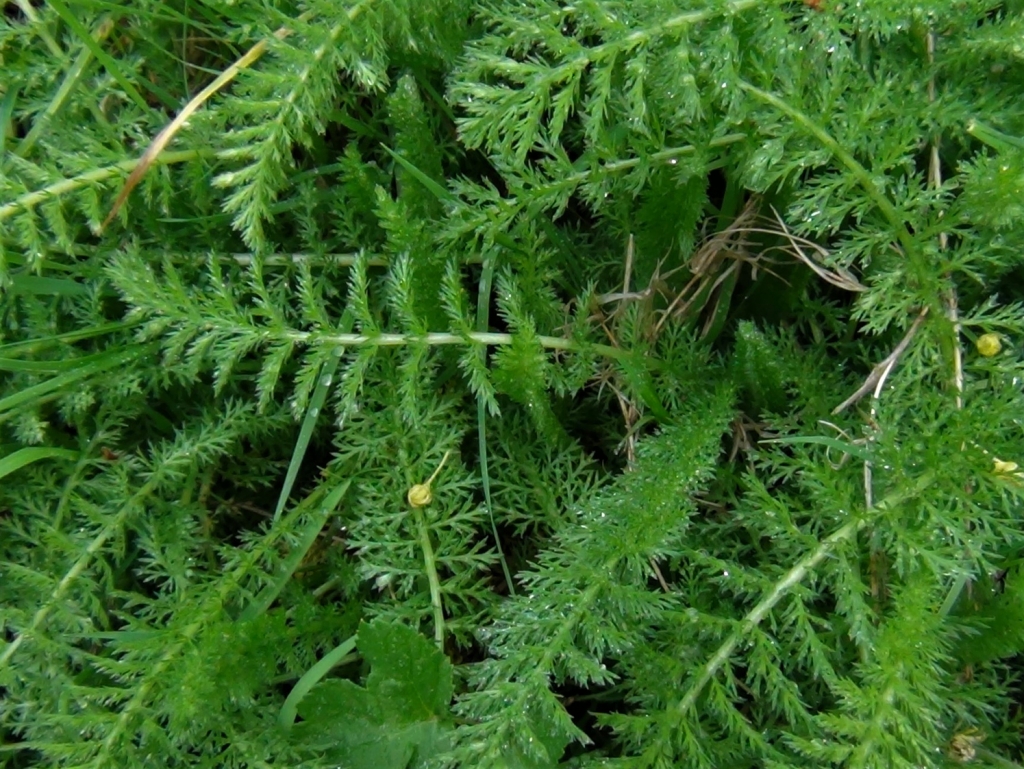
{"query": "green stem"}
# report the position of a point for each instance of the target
(664, 156)
(860, 172)
(443, 338)
(793, 577)
(90, 332)
(80, 565)
(213, 606)
(997, 760)
(430, 565)
(556, 644)
(687, 19)
(57, 189)
(29, 10)
(997, 140)
(674, 153)
(75, 477)
(109, 63)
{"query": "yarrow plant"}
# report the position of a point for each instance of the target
(479, 384)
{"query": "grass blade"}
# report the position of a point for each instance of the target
(41, 286)
(311, 678)
(6, 110)
(436, 189)
(316, 404)
(860, 452)
(307, 537)
(26, 7)
(483, 306)
(108, 61)
(47, 366)
(34, 345)
(55, 387)
(72, 78)
(23, 457)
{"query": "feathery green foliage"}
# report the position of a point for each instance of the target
(490, 384)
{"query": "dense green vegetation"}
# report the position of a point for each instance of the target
(476, 383)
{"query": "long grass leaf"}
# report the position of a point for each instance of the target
(423, 178)
(51, 366)
(34, 345)
(73, 77)
(860, 452)
(316, 404)
(55, 387)
(41, 286)
(26, 7)
(6, 110)
(483, 306)
(311, 678)
(307, 537)
(108, 61)
(23, 457)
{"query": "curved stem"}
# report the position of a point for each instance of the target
(859, 172)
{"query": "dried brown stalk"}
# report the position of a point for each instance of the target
(881, 371)
(159, 144)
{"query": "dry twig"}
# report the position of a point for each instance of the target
(881, 371)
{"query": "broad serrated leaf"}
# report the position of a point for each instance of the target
(399, 719)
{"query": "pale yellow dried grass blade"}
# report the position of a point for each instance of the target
(164, 137)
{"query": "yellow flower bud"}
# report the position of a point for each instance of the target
(419, 495)
(989, 345)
